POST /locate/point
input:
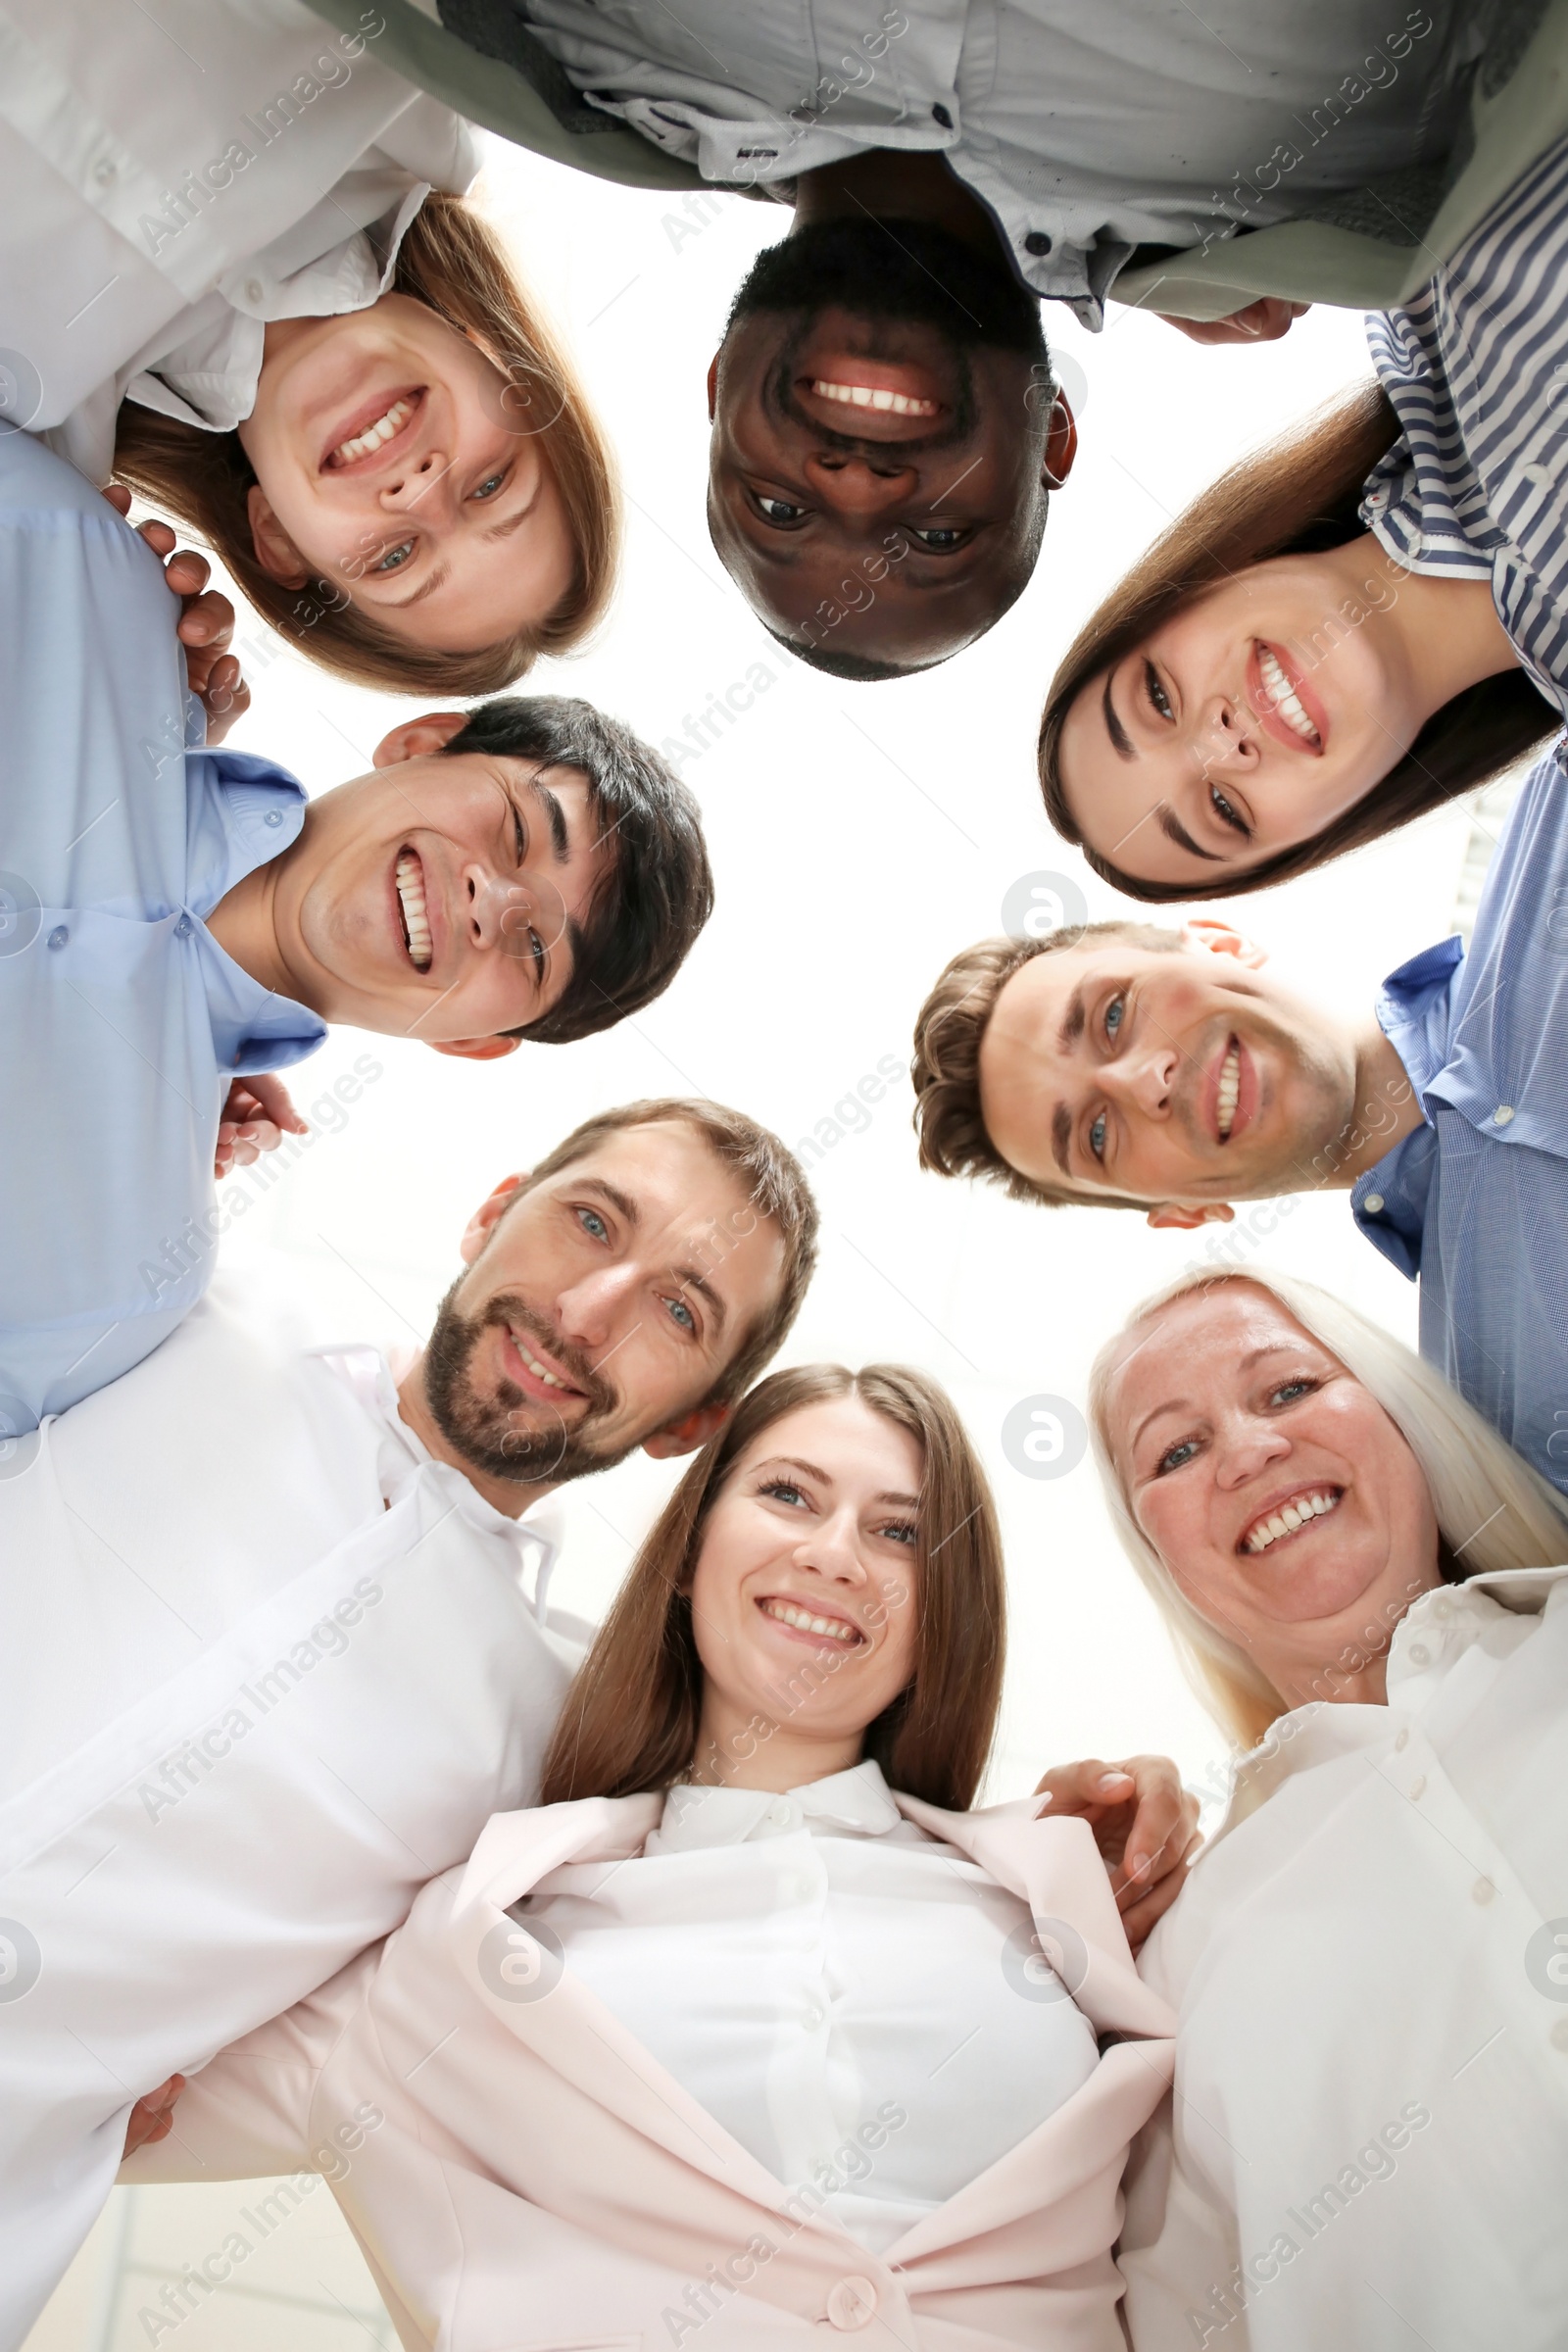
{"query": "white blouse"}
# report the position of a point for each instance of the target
(811, 1964)
(169, 182)
(1368, 2144)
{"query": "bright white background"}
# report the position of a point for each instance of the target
(860, 835)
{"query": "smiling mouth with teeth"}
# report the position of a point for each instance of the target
(1316, 1502)
(864, 396)
(412, 905)
(371, 438)
(829, 1629)
(552, 1380)
(1230, 1087)
(1285, 698)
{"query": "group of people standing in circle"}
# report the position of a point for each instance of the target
(662, 1980)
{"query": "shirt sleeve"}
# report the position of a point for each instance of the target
(252, 2114)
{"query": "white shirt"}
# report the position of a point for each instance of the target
(267, 1667)
(1087, 130)
(809, 1964)
(170, 181)
(1370, 1967)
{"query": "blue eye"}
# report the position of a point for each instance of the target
(1097, 1136)
(395, 558)
(488, 489)
(1177, 1459)
(677, 1308)
(1114, 1012)
(902, 1531)
(781, 1491)
(593, 1225)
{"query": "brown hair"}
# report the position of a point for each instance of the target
(452, 262)
(631, 1717)
(950, 1030)
(775, 1184)
(1296, 496)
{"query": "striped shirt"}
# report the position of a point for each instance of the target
(1477, 369)
(1476, 1200)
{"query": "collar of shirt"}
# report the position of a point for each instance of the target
(854, 1804)
(404, 1457)
(1415, 1013)
(241, 811)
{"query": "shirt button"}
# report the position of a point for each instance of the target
(1482, 1891)
(1403, 1743)
(793, 1889)
(810, 2019)
(254, 289)
(182, 927)
(104, 172)
(781, 1813)
(1443, 1609)
(940, 113)
(1373, 1205)
(1037, 242)
(1420, 1655)
(1559, 2035)
(274, 816)
(1503, 1114)
(1418, 1787)
(58, 936)
(851, 2303)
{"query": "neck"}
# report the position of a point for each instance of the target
(893, 186)
(512, 1497)
(733, 1752)
(1441, 636)
(1349, 1665)
(1385, 1110)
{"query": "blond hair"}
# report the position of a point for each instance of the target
(1493, 1511)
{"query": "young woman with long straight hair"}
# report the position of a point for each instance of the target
(751, 2025)
(1356, 623)
(243, 279)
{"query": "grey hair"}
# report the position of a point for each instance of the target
(1493, 1510)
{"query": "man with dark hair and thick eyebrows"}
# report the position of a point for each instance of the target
(178, 922)
(886, 427)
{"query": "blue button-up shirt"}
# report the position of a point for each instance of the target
(1476, 1201)
(121, 1020)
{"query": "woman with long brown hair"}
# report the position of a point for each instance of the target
(730, 2032)
(244, 279)
(1356, 623)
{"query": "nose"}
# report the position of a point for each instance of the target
(858, 486)
(1144, 1082)
(508, 915)
(594, 1310)
(832, 1548)
(1245, 1446)
(1225, 741)
(422, 487)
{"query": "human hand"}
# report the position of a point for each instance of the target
(153, 2118)
(1144, 1825)
(205, 626)
(1262, 322)
(255, 1117)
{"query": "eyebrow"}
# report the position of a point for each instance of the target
(1121, 742)
(1174, 830)
(1181, 1404)
(438, 579)
(1060, 1138)
(556, 816)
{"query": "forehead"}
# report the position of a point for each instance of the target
(1200, 1344)
(859, 1449)
(689, 1207)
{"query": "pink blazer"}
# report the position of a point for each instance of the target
(524, 2176)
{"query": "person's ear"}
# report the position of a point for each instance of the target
(1175, 1216)
(476, 1048)
(275, 551)
(1203, 931)
(685, 1436)
(418, 738)
(1062, 444)
(712, 387)
(482, 1223)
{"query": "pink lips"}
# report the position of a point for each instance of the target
(521, 1377)
(348, 429)
(1269, 719)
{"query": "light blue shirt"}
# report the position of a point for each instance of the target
(1476, 1200)
(121, 1020)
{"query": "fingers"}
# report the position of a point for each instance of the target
(153, 2118)
(273, 1101)
(157, 535)
(119, 498)
(1085, 1790)
(207, 621)
(1164, 1817)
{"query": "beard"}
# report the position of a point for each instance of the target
(913, 271)
(479, 1427)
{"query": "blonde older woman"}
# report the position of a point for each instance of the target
(1368, 2142)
